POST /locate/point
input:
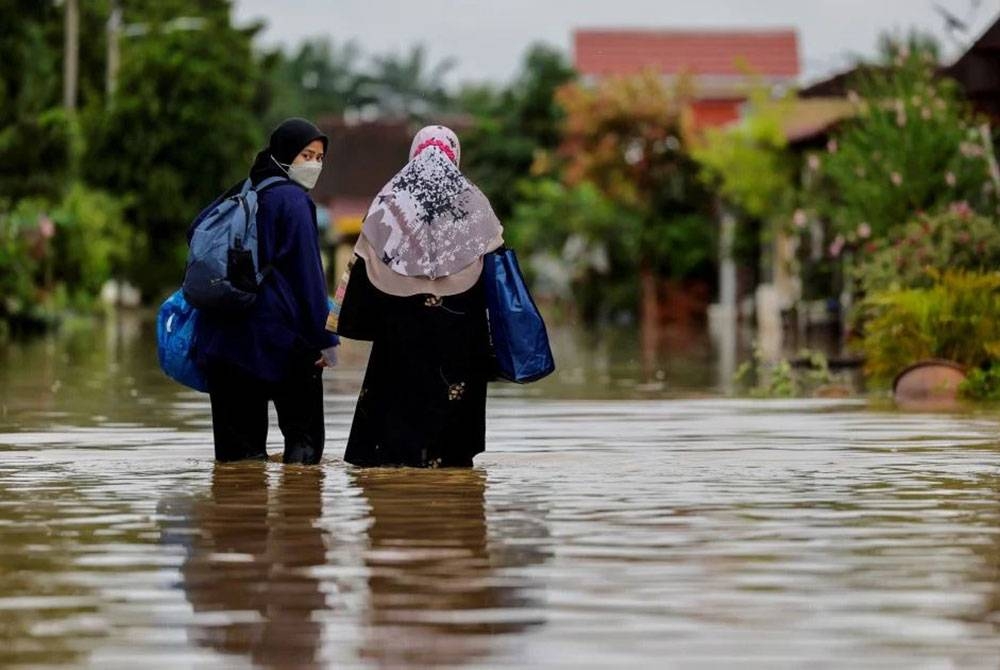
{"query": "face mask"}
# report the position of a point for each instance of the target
(305, 174)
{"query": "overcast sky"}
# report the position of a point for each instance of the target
(488, 37)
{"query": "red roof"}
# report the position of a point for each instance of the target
(769, 53)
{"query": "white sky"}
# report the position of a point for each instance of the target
(488, 37)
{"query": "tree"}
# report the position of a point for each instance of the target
(181, 128)
(515, 126)
(321, 78)
(748, 164)
(35, 133)
(914, 146)
(407, 86)
(628, 136)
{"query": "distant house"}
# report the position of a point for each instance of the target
(977, 71)
(361, 158)
(724, 63)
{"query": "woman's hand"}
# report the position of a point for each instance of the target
(328, 358)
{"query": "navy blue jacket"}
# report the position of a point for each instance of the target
(285, 328)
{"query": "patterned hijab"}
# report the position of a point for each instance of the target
(429, 220)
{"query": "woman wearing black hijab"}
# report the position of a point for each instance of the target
(276, 350)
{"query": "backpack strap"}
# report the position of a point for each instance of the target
(260, 188)
(269, 182)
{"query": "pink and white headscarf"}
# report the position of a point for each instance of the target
(440, 137)
(429, 220)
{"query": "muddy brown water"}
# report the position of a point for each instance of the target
(624, 515)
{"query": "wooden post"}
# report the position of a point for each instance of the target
(114, 48)
(71, 54)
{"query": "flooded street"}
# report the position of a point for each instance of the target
(624, 515)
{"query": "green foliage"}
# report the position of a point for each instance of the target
(407, 86)
(19, 262)
(913, 147)
(627, 137)
(762, 379)
(982, 383)
(748, 164)
(319, 79)
(514, 127)
(599, 244)
(91, 242)
(34, 134)
(595, 242)
(54, 256)
(181, 128)
(957, 319)
(957, 239)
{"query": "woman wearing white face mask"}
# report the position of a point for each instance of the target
(276, 351)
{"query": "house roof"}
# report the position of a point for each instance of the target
(361, 158)
(978, 71)
(810, 119)
(768, 53)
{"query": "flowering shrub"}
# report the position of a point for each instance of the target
(957, 239)
(57, 256)
(914, 145)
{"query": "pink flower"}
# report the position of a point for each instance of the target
(46, 227)
(864, 230)
(837, 245)
(896, 179)
(831, 146)
(813, 162)
(949, 178)
(800, 219)
(961, 209)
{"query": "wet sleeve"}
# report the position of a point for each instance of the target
(309, 282)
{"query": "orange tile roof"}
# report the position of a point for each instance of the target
(770, 53)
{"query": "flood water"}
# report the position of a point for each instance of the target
(625, 515)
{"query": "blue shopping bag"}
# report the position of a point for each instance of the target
(175, 333)
(517, 331)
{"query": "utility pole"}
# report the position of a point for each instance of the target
(114, 48)
(71, 54)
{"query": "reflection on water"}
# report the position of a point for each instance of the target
(611, 523)
(437, 595)
(251, 547)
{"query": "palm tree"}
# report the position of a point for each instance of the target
(406, 86)
(320, 79)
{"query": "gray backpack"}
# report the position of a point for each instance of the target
(223, 271)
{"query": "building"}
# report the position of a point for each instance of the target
(723, 63)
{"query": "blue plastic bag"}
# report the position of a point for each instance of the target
(517, 331)
(175, 334)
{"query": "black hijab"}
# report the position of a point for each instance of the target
(286, 141)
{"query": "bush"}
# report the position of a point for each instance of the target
(57, 256)
(914, 145)
(91, 242)
(957, 319)
(982, 383)
(957, 239)
(588, 244)
(19, 260)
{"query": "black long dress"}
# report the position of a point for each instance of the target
(423, 401)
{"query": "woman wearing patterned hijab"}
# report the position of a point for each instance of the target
(414, 290)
